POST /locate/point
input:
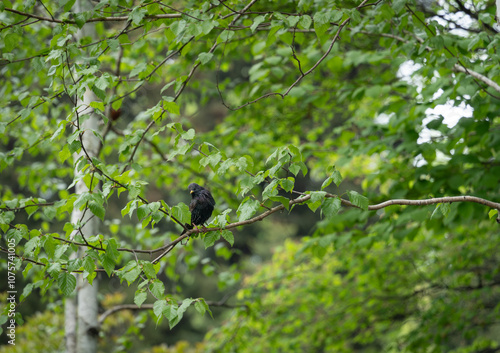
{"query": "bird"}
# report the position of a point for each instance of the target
(201, 206)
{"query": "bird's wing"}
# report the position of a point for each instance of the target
(193, 204)
(209, 198)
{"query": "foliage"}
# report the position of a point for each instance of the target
(43, 332)
(273, 105)
(405, 297)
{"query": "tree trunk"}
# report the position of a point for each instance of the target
(81, 318)
(88, 326)
(497, 2)
(81, 325)
(70, 323)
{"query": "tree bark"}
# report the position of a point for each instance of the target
(70, 324)
(81, 314)
(497, 3)
(88, 326)
(81, 325)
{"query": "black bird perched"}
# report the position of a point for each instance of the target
(201, 206)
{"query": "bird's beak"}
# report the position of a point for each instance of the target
(191, 191)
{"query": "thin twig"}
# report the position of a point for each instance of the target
(94, 19)
(303, 74)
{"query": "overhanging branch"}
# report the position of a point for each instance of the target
(95, 19)
(165, 249)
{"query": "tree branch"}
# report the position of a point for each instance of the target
(4, 250)
(299, 200)
(446, 199)
(452, 54)
(477, 75)
(134, 307)
(475, 16)
(15, 209)
(95, 19)
(456, 67)
(303, 74)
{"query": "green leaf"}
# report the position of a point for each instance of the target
(305, 21)
(101, 83)
(96, 105)
(205, 57)
(365, 242)
(444, 208)
(210, 238)
(142, 211)
(208, 25)
(321, 24)
(137, 14)
(11, 41)
(50, 212)
(148, 269)
(335, 177)
(97, 209)
(287, 184)
(225, 36)
(73, 265)
(188, 135)
(172, 107)
(247, 209)
(228, 236)
(358, 200)
(112, 249)
(99, 92)
(331, 206)
(108, 264)
(182, 213)
(270, 190)
(316, 200)
(493, 213)
(140, 297)
(170, 312)
(202, 307)
(31, 246)
(157, 288)
(167, 86)
(256, 22)
(49, 246)
(212, 159)
(68, 4)
(66, 282)
(158, 307)
(88, 264)
(180, 312)
(130, 272)
(141, 67)
(60, 250)
(281, 199)
(26, 291)
(5, 219)
(292, 21)
(301, 165)
(398, 5)
(80, 19)
(64, 154)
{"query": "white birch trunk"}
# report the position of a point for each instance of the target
(88, 326)
(70, 323)
(497, 3)
(81, 314)
(81, 325)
